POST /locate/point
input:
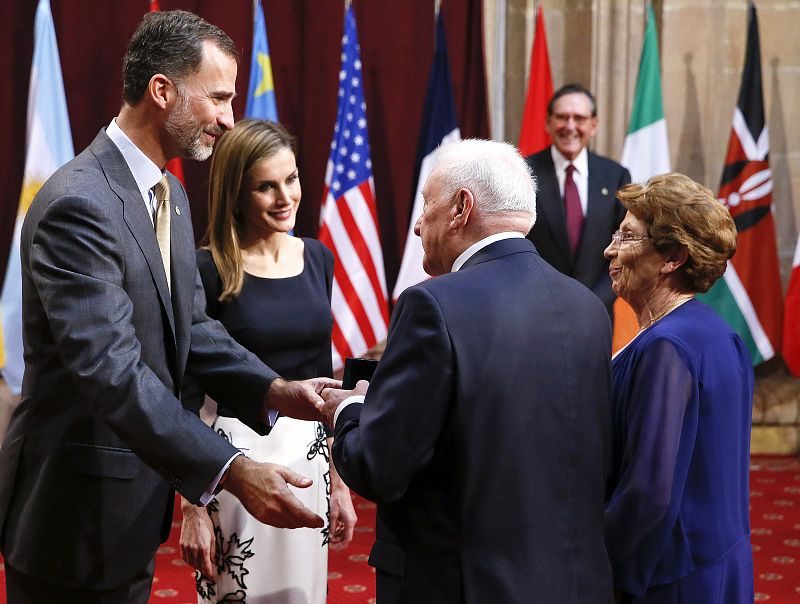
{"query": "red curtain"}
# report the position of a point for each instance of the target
(304, 39)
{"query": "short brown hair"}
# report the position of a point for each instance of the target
(235, 154)
(681, 212)
(171, 43)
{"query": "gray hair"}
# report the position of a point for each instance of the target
(495, 173)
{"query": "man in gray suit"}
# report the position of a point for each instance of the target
(113, 320)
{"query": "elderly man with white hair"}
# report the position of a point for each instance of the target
(484, 433)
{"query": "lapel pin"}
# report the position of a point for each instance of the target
(177, 210)
(604, 191)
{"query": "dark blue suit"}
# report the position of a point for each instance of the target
(603, 216)
(484, 437)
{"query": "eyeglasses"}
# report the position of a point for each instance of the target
(579, 119)
(620, 237)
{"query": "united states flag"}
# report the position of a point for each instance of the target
(349, 221)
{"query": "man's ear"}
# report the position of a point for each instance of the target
(161, 90)
(675, 259)
(462, 208)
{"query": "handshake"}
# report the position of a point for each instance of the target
(263, 488)
(325, 395)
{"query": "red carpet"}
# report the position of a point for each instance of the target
(774, 513)
(775, 527)
(350, 578)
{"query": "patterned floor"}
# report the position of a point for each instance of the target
(775, 527)
(350, 579)
(774, 514)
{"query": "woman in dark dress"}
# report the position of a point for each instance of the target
(271, 291)
(677, 520)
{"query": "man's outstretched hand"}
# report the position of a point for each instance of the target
(263, 490)
(300, 399)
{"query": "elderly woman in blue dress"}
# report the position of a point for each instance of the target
(677, 525)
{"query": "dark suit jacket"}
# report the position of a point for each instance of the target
(484, 438)
(100, 437)
(603, 216)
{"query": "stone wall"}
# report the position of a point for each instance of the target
(702, 43)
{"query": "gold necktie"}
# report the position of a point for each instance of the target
(161, 223)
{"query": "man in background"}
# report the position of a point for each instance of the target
(484, 435)
(114, 319)
(578, 209)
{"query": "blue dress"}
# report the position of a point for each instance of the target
(677, 518)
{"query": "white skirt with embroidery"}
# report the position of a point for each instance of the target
(261, 564)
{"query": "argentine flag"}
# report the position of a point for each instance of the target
(48, 147)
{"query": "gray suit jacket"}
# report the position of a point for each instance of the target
(100, 438)
(603, 216)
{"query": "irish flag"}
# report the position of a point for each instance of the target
(646, 150)
(749, 296)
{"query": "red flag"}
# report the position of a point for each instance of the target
(754, 284)
(533, 137)
(350, 219)
(175, 165)
(791, 318)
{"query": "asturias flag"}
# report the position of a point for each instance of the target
(49, 146)
(533, 136)
(438, 127)
(749, 296)
(261, 90)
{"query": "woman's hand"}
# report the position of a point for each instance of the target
(343, 514)
(198, 545)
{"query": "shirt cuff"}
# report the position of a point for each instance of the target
(212, 489)
(358, 398)
(270, 417)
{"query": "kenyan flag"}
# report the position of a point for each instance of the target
(749, 296)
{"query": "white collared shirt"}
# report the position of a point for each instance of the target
(580, 175)
(479, 245)
(145, 172)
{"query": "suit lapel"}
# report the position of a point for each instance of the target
(550, 203)
(184, 267)
(134, 214)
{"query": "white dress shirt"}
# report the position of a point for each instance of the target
(580, 175)
(147, 174)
